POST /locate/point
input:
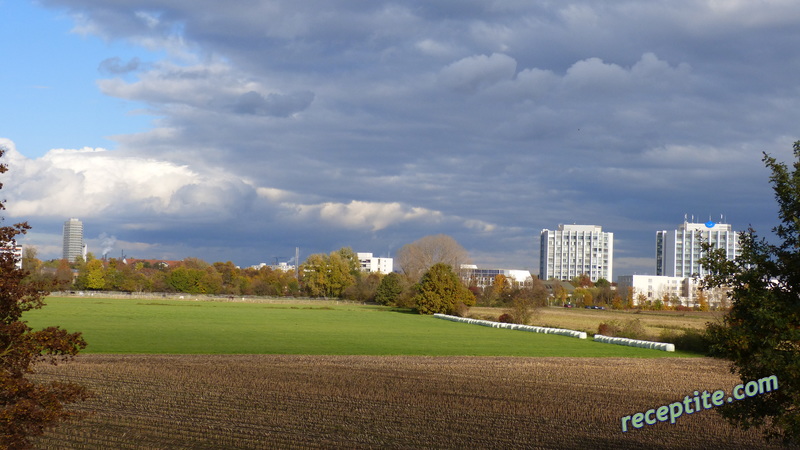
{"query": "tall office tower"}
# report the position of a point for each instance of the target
(73, 239)
(678, 252)
(574, 250)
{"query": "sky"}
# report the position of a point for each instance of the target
(239, 131)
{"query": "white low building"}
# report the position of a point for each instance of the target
(657, 287)
(282, 266)
(482, 278)
(373, 264)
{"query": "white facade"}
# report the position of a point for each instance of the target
(282, 266)
(656, 287)
(482, 278)
(73, 240)
(574, 250)
(372, 264)
(678, 252)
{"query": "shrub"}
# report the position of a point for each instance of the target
(609, 329)
(506, 318)
(689, 339)
(631, 329)
(462, 310)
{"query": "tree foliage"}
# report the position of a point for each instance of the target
(330, 275)
(761, 332)
(526, 301)
(28, 407)
(390, 289)
(417, 257)
(440, 291)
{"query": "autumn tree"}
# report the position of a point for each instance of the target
(582, 281)
(95, 275)
(329, 275)
(63, 278)
(440, 291)
(416, 258)
(761, 332)
(526, 301)
(365, 288)
(27, 408)
(702, 300)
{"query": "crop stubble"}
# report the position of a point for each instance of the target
(285, 401)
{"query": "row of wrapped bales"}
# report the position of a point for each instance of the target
(513, 326)
(634, 343)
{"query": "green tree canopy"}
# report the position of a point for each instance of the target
(761, 332)
(390, 289)
(440, 291)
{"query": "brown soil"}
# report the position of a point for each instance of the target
(283, 401)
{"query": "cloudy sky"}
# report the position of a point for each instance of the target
(241, 130)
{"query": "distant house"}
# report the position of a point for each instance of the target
(555, 287)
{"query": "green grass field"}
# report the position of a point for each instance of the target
(310, 328)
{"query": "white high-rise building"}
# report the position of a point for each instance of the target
(73, 240)
(574, 250)
(678, 252)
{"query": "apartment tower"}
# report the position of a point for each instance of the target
(574, 250)
(678, 252)
(73, 240)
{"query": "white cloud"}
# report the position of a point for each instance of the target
(376, 216)
(93, 182)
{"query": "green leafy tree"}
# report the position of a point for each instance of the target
(761, 332)
(390, 289)
(440, 291)
(27, 408)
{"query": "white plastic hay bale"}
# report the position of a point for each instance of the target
(634, 343)
(487, 323)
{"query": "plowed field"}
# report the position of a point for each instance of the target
(286, 401)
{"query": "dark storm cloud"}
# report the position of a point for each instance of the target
(384, 121)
